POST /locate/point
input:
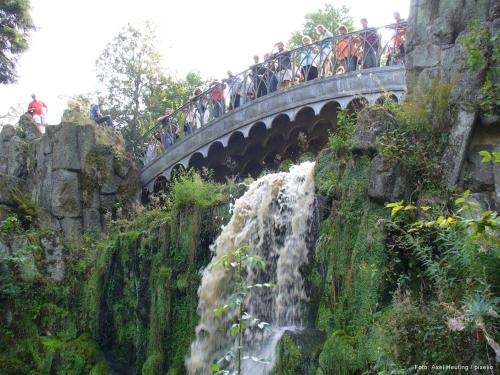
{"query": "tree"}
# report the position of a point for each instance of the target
(130, 69)
(172, 93)
(78, 109)
(15, 26)
(330, 17)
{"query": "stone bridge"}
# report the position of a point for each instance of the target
(275, 127)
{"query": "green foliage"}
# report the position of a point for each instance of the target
(189, 189)
(330, 17)
(15, 27)
(419, 140)
(458, 255)
(130, 68)
(78, 110)
(483, 53)
(291, 360)
(340, 140)
(350, 262)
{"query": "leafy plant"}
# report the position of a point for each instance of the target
(483, 52)
(189, 189)
(340, 139)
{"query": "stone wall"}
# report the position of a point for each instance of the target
(435, 47)
(78, 173)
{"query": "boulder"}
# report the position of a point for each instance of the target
(371, 123)
(387, 182)
(65, 196)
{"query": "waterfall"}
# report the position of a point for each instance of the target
(275, 218)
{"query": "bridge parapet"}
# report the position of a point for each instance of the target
(265, 114)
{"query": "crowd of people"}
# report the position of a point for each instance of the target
(328, 55)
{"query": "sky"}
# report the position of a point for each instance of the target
(197, 35)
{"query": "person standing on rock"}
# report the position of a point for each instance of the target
(96, 113)
(38, 109)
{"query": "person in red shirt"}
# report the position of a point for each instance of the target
(36, 107)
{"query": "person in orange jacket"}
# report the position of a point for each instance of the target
(346, 49)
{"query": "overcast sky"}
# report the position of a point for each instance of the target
(207, 36)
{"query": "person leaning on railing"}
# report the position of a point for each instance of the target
(368, 39)
(308, 58)
(396, 51)
(217, 96)
(345, 50)
(326, 50)
(283, 66)
(169, 125)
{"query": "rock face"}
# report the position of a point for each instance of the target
(436, 47)
(78, 173)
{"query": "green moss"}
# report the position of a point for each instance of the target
(290, 358)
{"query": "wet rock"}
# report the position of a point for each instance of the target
(324, 205)
(387, 182)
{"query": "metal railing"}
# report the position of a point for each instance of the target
(363, 49)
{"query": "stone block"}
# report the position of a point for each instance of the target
(8, 131)
(108, 202)
(66, 197)
(456, 151)
(53, 251)
(17, 157)
(65, 149)
(86, 141)
(8, 186)
(72, 227)
(387, 182)
(91, 220)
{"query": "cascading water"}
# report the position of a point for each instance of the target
(276, 219)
